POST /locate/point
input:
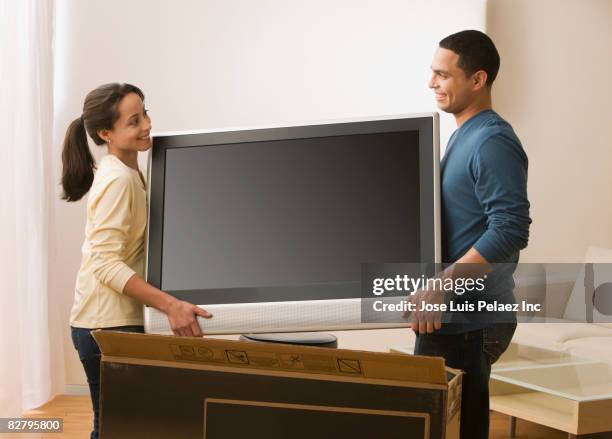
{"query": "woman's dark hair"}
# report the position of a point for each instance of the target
(100, 112)
(476, 52)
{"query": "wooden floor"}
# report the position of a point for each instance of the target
(74, 410)
(77, 415)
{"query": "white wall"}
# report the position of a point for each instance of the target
(554, 88)
(205, 64)
(234, 63)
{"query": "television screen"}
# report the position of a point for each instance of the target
(286, 216)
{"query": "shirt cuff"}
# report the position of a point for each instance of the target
(487, 248)
(120, 278)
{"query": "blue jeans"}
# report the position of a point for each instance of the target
(89, 354)
(473, 352)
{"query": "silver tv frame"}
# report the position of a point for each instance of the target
(287, 316)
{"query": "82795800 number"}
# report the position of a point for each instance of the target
(31, 425)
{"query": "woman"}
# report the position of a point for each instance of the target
(110, 289)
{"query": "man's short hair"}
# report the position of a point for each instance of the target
(476, 52)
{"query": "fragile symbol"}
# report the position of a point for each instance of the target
(239, 357)
(205, 352)
(349, 366)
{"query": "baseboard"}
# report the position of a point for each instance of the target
(77, 389)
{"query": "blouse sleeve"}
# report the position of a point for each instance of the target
(111, 223)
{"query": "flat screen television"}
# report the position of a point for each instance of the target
(268, 228)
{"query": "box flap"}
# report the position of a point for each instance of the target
(116, 345)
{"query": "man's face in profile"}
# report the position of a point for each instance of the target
(453, 89)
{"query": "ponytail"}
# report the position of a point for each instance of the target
(77, 162)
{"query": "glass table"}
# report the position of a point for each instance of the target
(552, 388)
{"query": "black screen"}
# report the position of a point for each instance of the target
(289, 213)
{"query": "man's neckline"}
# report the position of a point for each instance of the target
(488, 110)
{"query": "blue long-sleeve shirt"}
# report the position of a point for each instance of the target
(484, 201)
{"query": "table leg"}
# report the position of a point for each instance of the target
(512, 425)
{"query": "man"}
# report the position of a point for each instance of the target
(485, 217)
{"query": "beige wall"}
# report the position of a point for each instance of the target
(554, 89)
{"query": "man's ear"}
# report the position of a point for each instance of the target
(479, 79)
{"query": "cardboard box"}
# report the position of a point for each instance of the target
(155, 386)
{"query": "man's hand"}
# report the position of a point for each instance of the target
(183, 318)
(426, 321)
(471, 265)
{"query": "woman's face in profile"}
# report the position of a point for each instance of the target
(131, 132)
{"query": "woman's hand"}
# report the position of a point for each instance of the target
(182, 315)
(183, 318)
